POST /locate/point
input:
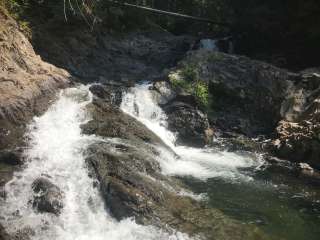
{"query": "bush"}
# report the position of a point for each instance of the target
(190, 73)
(201, 92)
(187, 79)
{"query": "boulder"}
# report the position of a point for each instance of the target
(110, 93)
(164, 92)
(184, 116)
(245, 95)
(11, 157)
(47, 196)
(188, 121)
(297, 142)
(111, 122)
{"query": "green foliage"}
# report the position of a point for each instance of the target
(17, 8)
(188, 80)
(215, 56)
(201, 92)
(14, 7)
(189, 73)
(181, 83)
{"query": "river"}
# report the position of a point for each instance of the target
(238, 183)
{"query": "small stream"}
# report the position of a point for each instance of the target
(238, 183)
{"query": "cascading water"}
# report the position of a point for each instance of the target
(209, 44)
(139, 102)
(273, 201)
(57, 150)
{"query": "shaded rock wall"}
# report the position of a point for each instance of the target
(103, 56)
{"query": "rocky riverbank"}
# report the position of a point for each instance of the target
(249, 99)
(27, 84)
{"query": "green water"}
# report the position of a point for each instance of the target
(282, 205)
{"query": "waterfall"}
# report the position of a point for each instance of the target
(56, 149)
(209, 44)
(140, 103)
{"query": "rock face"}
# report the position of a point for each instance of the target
(298, 134)
(246, 95)
(47, 196)
(103, 57)
(164, 92)
(10, 160)
(111, 92)
(26, 86)
(189, 122)
(184, 115)
(129, 172)
(24, 77)
(11, 157)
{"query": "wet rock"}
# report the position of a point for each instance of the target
(188, 121)
(3, 234)
(305, 168)
(165, 92)
(109, 121)
(184, 116)
(24, 77)
(27, 85)
(280, 166)
(24, 234)
(6, 174)
(297, 142)
(11, 157)
(47, 196)
(132, 184)
(110, 93)
(237, 142)
(306, 171)
(123, 184)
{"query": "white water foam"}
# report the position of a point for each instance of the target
(57, 149)
(139, 102)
